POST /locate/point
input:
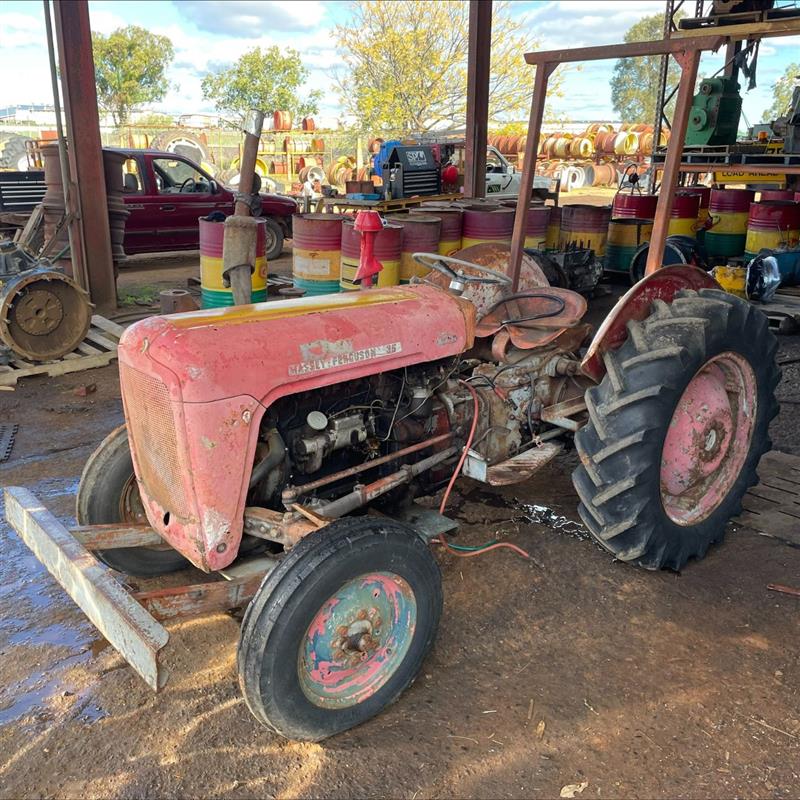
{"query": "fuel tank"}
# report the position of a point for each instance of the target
(195, 387)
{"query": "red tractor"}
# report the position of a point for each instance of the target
(267, 431)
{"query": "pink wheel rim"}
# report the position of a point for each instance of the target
(708, 438)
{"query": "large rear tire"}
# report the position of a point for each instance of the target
(108, 493)
(676, 428)
(340, 628)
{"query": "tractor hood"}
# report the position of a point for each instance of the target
(196, 385)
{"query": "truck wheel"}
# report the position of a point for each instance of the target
(108, 493)
(677, 428)
(340, 628)
(274, 241)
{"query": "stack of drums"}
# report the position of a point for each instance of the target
(213, 291)
(771, 225)
(553, 237)
(487, 224)
(684, 214)
(536, 226)
(421, 234)
(729, 209)
(388, 247)
(625, 236)
(585, 226)
(704, 192)
(634, 206)
(452, 219)
(317, 252)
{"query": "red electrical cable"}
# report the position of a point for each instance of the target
(456, 473)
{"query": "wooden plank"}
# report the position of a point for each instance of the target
(786, 485)
(108, 326)
(778, 526)
(103, 340)
(775, 496)
(753, 503)
(87, 349)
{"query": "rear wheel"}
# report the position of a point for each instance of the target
(340, 628)
(274, 239)
(108, 493)
(676, 428)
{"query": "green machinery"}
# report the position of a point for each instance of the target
(714, 117)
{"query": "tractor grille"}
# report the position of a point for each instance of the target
(151, 427)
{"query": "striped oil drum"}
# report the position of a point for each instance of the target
(536, 225)
(317, 252)
(704, 192)
(625, 237)
(452, 219)
(388, 246)
(421, 234)
(776, 194)
(490, 225)
(553, 237)
(634, 206)
(213, 292)
(729, 210)
(585, 226)
(683, 217)
(772, 224)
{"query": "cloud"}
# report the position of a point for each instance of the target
(21, 30)
(105, 22)
(251, 18)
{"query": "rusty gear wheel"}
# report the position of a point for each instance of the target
(43, 315)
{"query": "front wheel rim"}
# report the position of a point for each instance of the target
(708, 438)
(357, 640)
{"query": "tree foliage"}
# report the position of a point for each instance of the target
(266, 80)
(782, 93)
(634, 84)
(130, 67)
(406, 65)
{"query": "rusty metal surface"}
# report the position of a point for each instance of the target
(122, 621)
(76, 63)
(478, 60)
(200, 598)
(521, 466)
(109, 537)
(635, 305)
(689, 62)
(561, 414)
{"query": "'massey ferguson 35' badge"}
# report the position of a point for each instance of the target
(339, 359)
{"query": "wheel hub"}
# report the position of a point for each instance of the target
(357, 640)
(708, 438)
(39, 312)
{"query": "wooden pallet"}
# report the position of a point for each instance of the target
(772, 508)
(98, 349)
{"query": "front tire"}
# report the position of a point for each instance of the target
(676, 428)
(108, 493)
(340, 628)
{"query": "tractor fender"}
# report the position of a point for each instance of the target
(635, 304)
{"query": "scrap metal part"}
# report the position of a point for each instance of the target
(7, 434)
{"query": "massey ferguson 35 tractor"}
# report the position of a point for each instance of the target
(259, 436)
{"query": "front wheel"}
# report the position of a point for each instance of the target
(340, 628)
(676, 428)
(108, 493)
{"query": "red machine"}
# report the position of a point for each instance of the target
(256, 435)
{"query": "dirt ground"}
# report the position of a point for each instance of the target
(567, 669)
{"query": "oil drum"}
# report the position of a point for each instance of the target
(317, 252)
(493, 225)
(704, 192)
(729, 209)
(585, 226)
(553, 228)
(452, 219)
(634, 206)
(776, 194)
(213, 291)
(772, 224)
(421, 234)
(625, 237)
(683, 217)
(536, 225)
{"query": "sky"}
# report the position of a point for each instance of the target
(209, 34)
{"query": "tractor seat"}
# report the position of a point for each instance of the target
(534, 318)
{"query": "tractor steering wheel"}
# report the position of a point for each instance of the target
(458, 278)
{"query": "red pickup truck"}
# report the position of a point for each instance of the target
(166, 193)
